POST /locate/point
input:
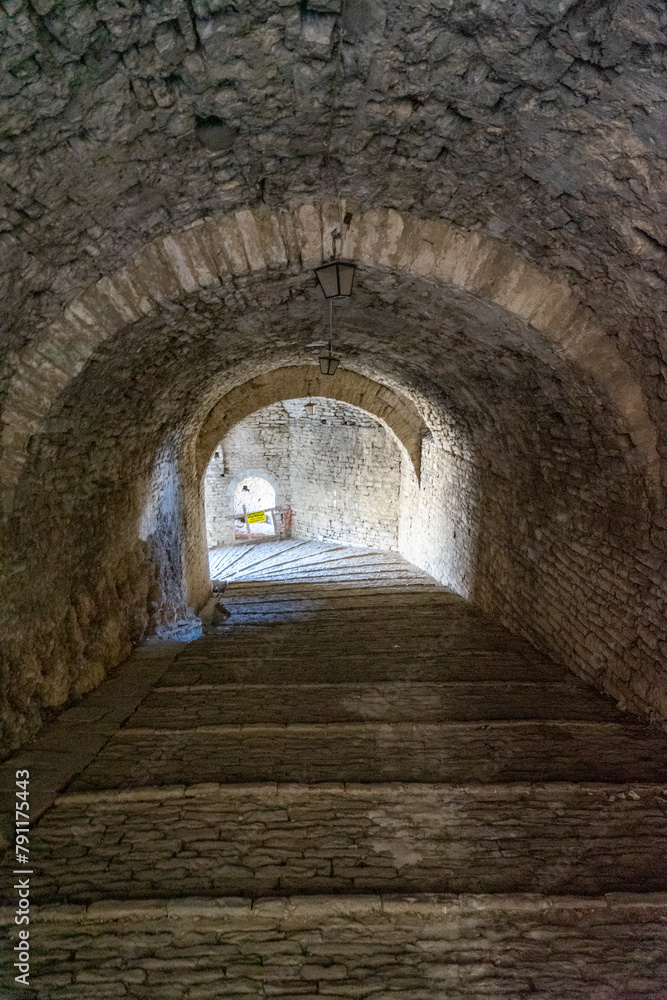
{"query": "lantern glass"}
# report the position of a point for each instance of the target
(309, 408)
(345, 278)
(336, 279)
(329, 364)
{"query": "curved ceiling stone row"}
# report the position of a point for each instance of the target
(259, 241)
(298, 381)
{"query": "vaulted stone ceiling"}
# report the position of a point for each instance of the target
(543, 123)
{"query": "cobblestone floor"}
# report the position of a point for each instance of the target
(288, 804)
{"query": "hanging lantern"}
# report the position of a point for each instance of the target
(336, 279)
(329, 364)
(309, 408)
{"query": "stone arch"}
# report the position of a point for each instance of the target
(272, 480)
(393, 411)
(218, 248)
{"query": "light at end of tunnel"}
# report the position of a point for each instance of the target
(329, 364)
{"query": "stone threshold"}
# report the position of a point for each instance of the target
(319, 908)
(380, 727)
(464, 686)
(153, 793)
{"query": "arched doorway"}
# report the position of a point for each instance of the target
(253, 497)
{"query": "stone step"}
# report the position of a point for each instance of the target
(252, 558)
(477, 752)
(295, 638)
(358, 599)
(342, 578)
(355, 599)
(386, 626)
(416, 948)
(334, 635)
(323, 620)
(259, 840)
(294, 569)
(357, 563)
(417, 591)
(431, 622)
(299, 558)
(324, 634)
(236, 662)
(236, 559)
(178, 707)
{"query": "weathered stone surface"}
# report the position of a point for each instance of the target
(273, 839)
(407, 701)
(461, 947)
(498, 751)
(80, 732)
(369, 808)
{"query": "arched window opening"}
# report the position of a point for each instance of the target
(243, 502)
(254, 507)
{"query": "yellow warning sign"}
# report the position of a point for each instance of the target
(258, 515)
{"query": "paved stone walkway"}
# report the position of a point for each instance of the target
(355, 786)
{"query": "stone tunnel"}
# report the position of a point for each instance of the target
(415, 747)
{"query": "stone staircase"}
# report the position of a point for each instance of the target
(357, 787)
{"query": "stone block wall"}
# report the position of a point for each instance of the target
(580, 583)
(439, 515)
(83, 594)
(338, 469)
(559, 552)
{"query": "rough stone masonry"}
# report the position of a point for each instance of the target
(170, 176)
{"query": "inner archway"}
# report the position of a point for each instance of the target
(339, 470)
